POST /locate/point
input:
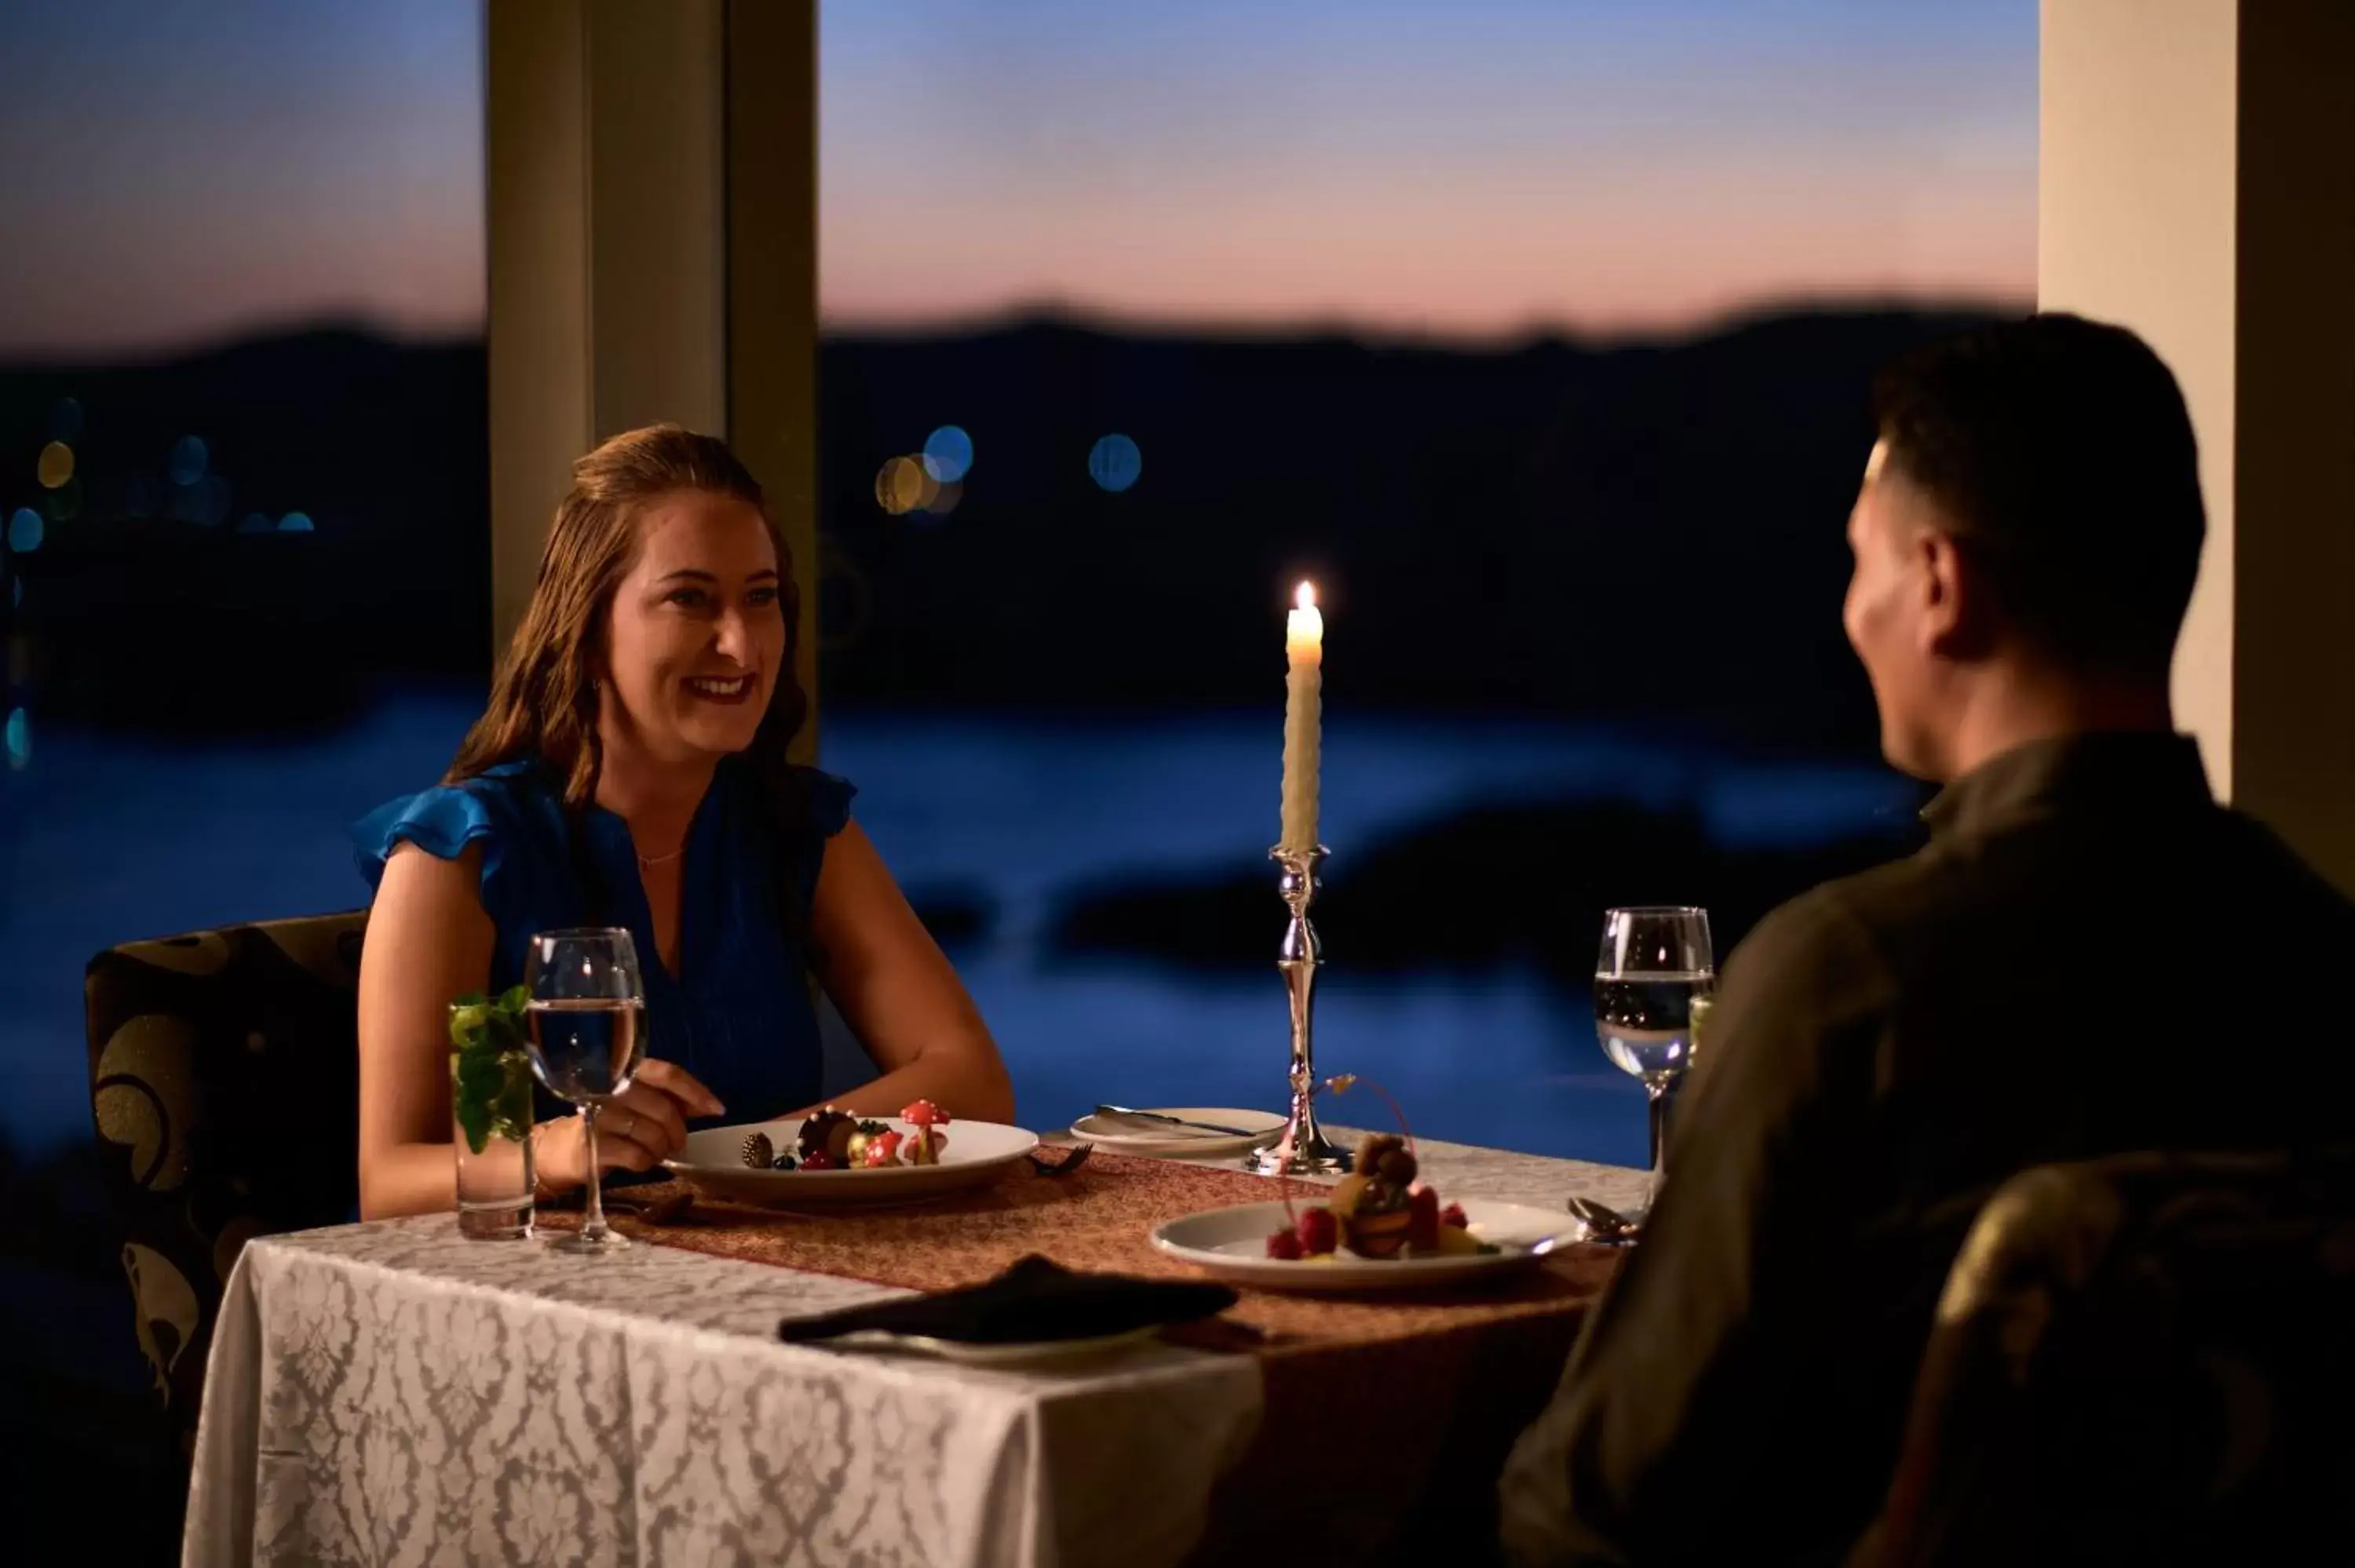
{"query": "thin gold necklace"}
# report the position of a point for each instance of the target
(661, 859)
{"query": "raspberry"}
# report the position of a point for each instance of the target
(1318, 1231)
(1453, 1215)
(1286, 1245)
(1423, 1219)
(817, 1159)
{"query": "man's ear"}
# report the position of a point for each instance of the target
(1958, 616)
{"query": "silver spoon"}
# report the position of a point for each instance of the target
(1605, 1226)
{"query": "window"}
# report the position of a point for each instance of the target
(244, 580)
(1537, 335)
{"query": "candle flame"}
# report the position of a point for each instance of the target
(1306, 596)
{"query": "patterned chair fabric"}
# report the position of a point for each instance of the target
(224, 1083)
(2148, 1360)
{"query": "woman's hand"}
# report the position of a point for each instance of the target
(636, 1130)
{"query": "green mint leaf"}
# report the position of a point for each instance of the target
(473, 1107)
(511, 1110)
(468, 1022)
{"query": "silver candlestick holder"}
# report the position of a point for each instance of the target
(1302, 1150)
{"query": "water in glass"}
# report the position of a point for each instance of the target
(588, 1049)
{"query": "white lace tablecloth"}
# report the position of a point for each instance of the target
(392, 1393)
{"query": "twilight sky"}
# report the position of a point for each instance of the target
(184, 173)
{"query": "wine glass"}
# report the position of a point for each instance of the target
(587, 1020)
(1656, 963)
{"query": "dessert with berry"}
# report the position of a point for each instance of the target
(832, 1140)
(1382, 1211)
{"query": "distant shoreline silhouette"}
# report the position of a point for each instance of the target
(1638, 531)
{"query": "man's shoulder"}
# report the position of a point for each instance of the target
(1815, 963)
(1840, 922)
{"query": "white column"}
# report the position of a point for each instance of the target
(2195, 162)
(653, 252)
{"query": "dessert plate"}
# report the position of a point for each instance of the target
(1231, 1246)
(1121, 1136)
(712, 1162)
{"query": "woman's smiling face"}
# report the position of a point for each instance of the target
(698, 628)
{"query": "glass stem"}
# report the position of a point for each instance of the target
(1656, 1096)
(592, 1223)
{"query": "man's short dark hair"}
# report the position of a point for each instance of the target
(2061, 450)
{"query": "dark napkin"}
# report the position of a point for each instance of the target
(1035, 1301)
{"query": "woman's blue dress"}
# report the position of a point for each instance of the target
(739, 1015)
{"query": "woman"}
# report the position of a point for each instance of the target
(631, 770)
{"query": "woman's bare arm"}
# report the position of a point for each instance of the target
(430, 942)
(899, 994)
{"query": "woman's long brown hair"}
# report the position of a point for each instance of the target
(543, 703)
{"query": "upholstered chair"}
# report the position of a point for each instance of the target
(2148, 1360)
(223, 1082)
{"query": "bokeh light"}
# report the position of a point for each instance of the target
(948, 453)
(65, 419)
(901, 485)
(25, 530)
(19, 736)
(189, 455)
(64, 503)
(296, 522)
(944, 500)
(1114, 463)
(56, 465)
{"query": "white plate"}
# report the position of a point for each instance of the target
(1177, 1142)
(1231, 1246)
(1031, 1354)
(712, 1161)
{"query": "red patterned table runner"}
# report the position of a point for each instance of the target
(1098, 1218)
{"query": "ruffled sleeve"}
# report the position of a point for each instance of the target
(442, 822)
(829, 802)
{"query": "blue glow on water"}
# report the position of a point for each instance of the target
(130, 838)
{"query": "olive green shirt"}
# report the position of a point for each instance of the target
(2090, 957)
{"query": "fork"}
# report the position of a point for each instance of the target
(1065, 1166)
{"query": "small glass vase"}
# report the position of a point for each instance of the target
(490, 1129)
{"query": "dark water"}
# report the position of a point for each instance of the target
(104, 839)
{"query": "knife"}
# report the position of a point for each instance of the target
(1154, 1118)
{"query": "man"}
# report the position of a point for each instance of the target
(2090, 957)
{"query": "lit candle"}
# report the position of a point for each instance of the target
(1304, 653)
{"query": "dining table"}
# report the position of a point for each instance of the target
(393, 1393)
